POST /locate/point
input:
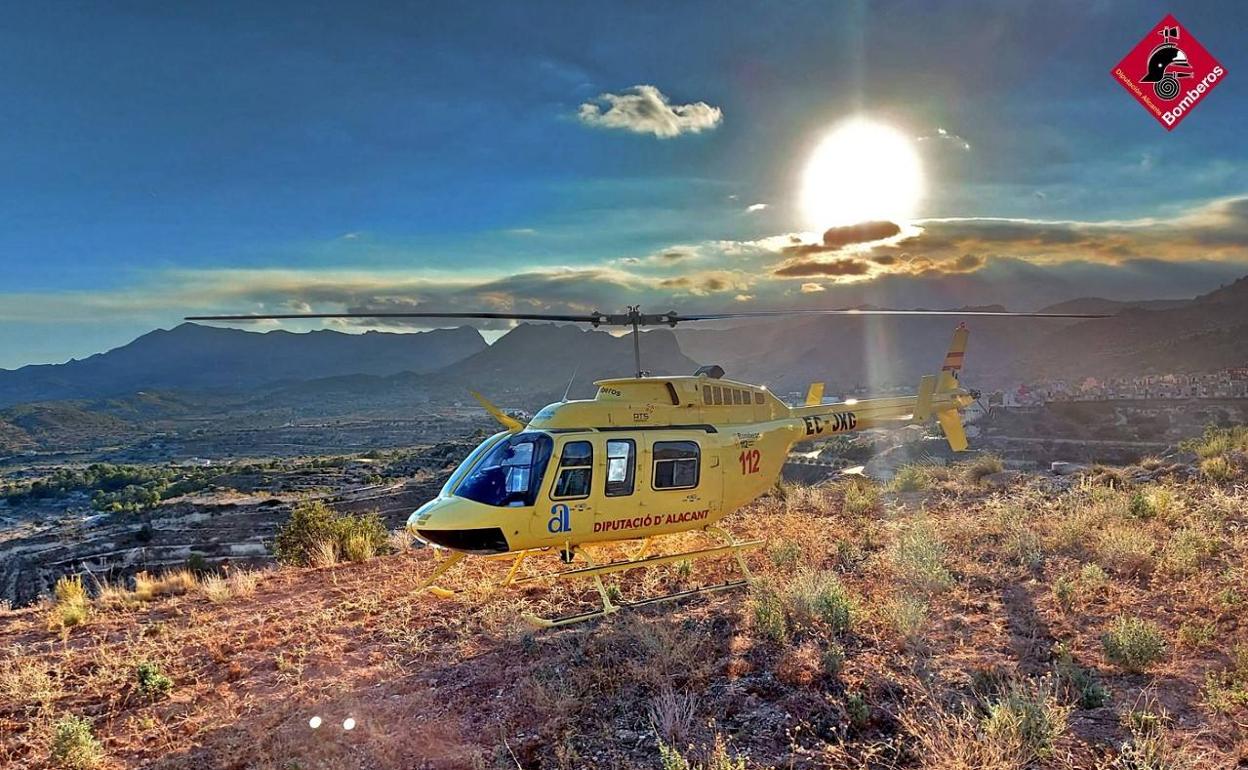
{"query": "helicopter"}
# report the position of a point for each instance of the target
(649, 456)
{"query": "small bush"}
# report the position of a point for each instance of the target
(69, 590)
(1133, 643)
(72, 607)
(1080, 685)
(1126, 550)
(1064, 591)
(858, 710)
(74, 745)
(358, 548)
(918, 556)
(912, 478)
(861, 497)
(152, 681)
(768, 613)
(908, 617)
(243, 582)
(1025, 720)
(1141, 506)
(1217, 469)
(818, 599)
(671, 714)
(983, 466)
(148, 587)
(216, 589)
(1184, 551)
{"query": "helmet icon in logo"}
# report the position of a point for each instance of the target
(1166, 64)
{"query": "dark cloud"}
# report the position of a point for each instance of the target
(836, 267)
(838, 237)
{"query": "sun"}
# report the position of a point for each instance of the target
(861, 171)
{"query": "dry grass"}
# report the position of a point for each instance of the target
(916, 631)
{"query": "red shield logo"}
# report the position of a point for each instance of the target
(1169, 72)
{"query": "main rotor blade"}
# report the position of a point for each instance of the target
(590, 319)
(676, 318)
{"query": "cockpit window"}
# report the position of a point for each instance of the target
(510, 473)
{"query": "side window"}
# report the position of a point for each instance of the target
(676, 464)
(736, 397)
(621, 466)
(706, 394)
(576, 470)
(719, 398)
(758, 398)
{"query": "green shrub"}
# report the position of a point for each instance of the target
(1080, 684)
(1133, 643)
(1141, 506)
(309, 523)
(313, 524)
(858, 710)
(152, 681)
(74, 746)
(768, 613)
(816, 598)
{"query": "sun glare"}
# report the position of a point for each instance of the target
(861, 171)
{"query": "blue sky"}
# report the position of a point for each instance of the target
(162, 159)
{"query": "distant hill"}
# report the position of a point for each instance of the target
(1112, 306)
(540, 358)
(531, 364)
(1207, 333)
(874, 352)
(197, 357)
(57, 425)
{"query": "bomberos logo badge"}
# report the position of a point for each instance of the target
(1169, 72)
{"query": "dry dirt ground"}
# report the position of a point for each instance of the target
(954, 626)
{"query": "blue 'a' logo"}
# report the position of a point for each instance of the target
(560, 519)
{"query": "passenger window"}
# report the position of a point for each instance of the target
(706, 394)
(676, 464)
(736, 397)
(576, 470)
(621, 466)
(758, 398)
(719, 398)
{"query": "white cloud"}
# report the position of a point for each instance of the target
(811, 288)
(755, 207)
(644, 109)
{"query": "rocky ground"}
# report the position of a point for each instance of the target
(961, 617)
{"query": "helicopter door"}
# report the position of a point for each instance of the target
(569, 507)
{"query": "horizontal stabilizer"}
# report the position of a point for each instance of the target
(923, 405)
(951, 423)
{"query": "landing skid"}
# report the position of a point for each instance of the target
(596, 571)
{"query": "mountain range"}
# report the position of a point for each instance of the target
(169, 373)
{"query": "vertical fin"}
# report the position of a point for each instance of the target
(923, 404)
(952, 368)
(507, 421)
(814, 395)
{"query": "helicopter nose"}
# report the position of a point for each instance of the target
(442, 522)
(486, 540)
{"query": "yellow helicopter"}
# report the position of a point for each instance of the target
(648, 456)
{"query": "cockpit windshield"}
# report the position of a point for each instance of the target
(510, 473)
